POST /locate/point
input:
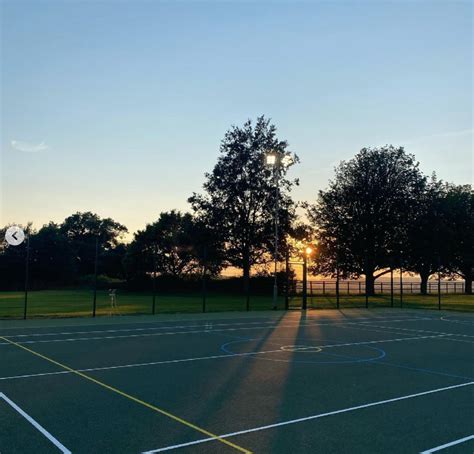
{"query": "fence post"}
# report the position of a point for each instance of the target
(391, 286)
(204, 279)
(439, 284)
(305, 282)
(153, 306)
(27, 272)
(94, 303)
(287, 272)
(401, 284)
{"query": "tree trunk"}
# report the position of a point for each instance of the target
(370, 283)
(424, 276)
(468, 284)
(246, 277)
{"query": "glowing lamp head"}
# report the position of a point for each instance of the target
(309, 250)
(271, 159)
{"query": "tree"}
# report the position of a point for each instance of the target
(459, 213)
(172, 246)
(240, 194)
(426, 248)
(12, 261)
(83, 229)
(362, 219)
(51, 257)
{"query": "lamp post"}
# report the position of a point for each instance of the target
(277, 161)
(306, 255)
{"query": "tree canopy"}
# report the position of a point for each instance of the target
(362, 219)
(239, 194)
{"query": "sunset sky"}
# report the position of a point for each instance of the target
(119, 107)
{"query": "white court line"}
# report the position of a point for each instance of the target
(202, 358)
(407, 313)
(462, 322)
(420, 330)
(443, 336)
(309, 418)
(203, 324)
(447, 445)
(76, 339)
(40, 428)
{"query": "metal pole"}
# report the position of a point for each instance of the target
(305, 283)
(287, 272)
(401, 284)
(27, 272)
(366, 277)
(275, 281)
(204, 275)
(439, 284)
(337, 286)
(153, 308)
(391, 286)
(94, 305)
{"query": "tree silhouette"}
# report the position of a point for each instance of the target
(362, 219)
(239, 194)
(427, 247)
(459, 212)
(172, 246)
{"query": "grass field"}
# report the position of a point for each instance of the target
(71, 303)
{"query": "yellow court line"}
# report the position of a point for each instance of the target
(128, 396)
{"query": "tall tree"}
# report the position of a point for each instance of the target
(427, 247)
(459, 212)
(239, 194)
(82, 230)
(362, 219)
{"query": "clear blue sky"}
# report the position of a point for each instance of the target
(121, 106)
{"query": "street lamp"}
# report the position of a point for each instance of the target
(307, 253)
(277, 161)
(272, 159)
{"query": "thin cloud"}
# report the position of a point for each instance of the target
(28, 147)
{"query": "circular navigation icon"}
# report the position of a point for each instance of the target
(14, 235)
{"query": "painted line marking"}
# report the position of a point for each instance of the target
(202, 358)
(309, 418)
(448, 445)
(76, 339)
(390, 330)
(419, 330)
(274, 322)
(132, 398)
(35, 424)
(406, 313)
(463, 322)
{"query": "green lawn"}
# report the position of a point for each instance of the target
(71, 303)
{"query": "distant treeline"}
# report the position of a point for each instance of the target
(378, 212)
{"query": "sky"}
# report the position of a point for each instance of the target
(118, 107)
